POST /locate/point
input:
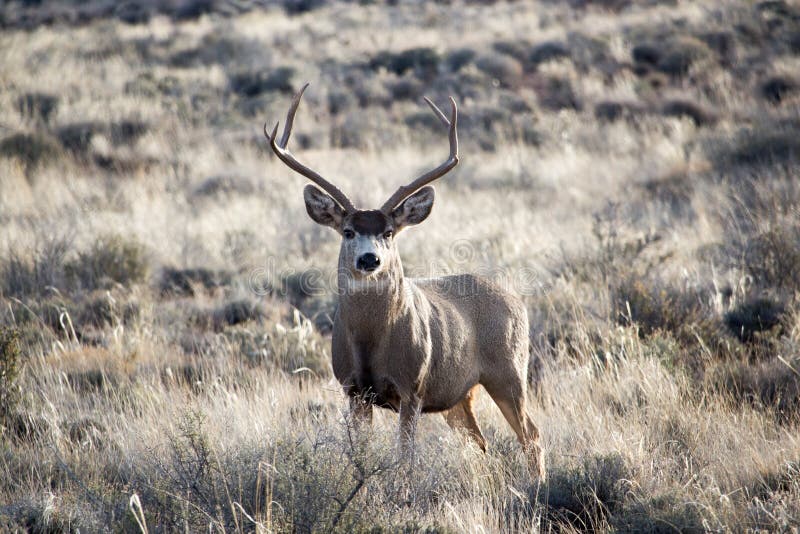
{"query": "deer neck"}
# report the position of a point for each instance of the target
(368, 307)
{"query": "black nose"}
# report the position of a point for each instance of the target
(368, 262)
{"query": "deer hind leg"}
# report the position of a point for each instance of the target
(462, 417)
(511, 402)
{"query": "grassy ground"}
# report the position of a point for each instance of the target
(632, 169)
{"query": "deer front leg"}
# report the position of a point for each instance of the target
(409, 414)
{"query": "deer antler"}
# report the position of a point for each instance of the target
(279, 147)
(408, 190)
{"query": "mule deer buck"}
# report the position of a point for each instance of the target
(417, 345)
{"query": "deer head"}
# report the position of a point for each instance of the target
(368, 250)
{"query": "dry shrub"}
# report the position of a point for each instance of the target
(193, 281)
(547, 51)
(770, 143)
(773, 385)
(664, 513)
(298, 7)
(112, 260)
(254, 83)
(673, 192)
(504, 70)
(23, 276)
(613, 110)
(86, 432)
(772, 258)
(646, 54)
(10, 364)
(459, 58)
(776, 89)
(756, 319)
(557, 93)
(423, 62)
(37, 106)
(518, 49)
(405, 88)
(25, 427)
(777, 495)
(686, 108)
(722, 42)
(217, 48)
(673, 55)
(287, 348)
(77, 137)
(102, 308)
(30, 150)
(585, 496)
(659, 310)
(239, 311)
(340, 101)
(327, 479)
(224, 185)
(679, 54)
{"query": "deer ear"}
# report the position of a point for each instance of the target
(322, 208)
(414, 209)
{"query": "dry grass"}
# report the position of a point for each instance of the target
(630, 168)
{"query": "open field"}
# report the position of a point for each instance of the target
(631, 168)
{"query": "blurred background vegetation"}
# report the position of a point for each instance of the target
(164, 306)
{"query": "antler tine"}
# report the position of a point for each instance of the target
(279, 147)
(407, 190)
(437, 111)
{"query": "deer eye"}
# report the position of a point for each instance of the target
(349, 234)
(388, 234)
